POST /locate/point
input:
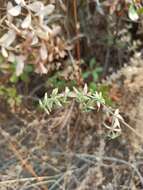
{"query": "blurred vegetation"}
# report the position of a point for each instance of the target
(61, 56)
(67, 43)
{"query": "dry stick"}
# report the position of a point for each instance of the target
(132, 129)
(125, 124)
(76, 27)
(1, 21)
(38, 184)
(77, 30)
(11, 181)
(57, 183)
(24, 163)
(113, 159)
(62, 5)
(68, 116)
(107, 60)
(68, 160)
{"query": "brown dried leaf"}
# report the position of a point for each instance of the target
(43, 33)
(47, 10)
(43, 52)
(9, 6)
(62, 54)
(20, 65)
(15, 11)
(11, 57)
(26, 22)
(4, 52)
(7, 39)
(35, 40)
(50, 57)
(41, 69)
(36, 6)
(56, 31)
(20, 2)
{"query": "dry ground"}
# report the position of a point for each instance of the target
(70, 150)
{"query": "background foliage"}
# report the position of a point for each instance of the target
(78, 60)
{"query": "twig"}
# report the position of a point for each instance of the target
(41, 178)
(77, 27)
(87, 157)
(67, 116)
(12, 144)
(107, 61)
(125, 124)
(38, 184)
(57, 182)
(113, 159)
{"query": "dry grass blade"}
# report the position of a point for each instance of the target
(12, 144)
(9, 182)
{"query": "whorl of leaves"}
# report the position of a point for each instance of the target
(87, 101)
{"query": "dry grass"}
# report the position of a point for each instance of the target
(67, 150)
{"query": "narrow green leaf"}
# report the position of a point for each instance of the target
(132, 13)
